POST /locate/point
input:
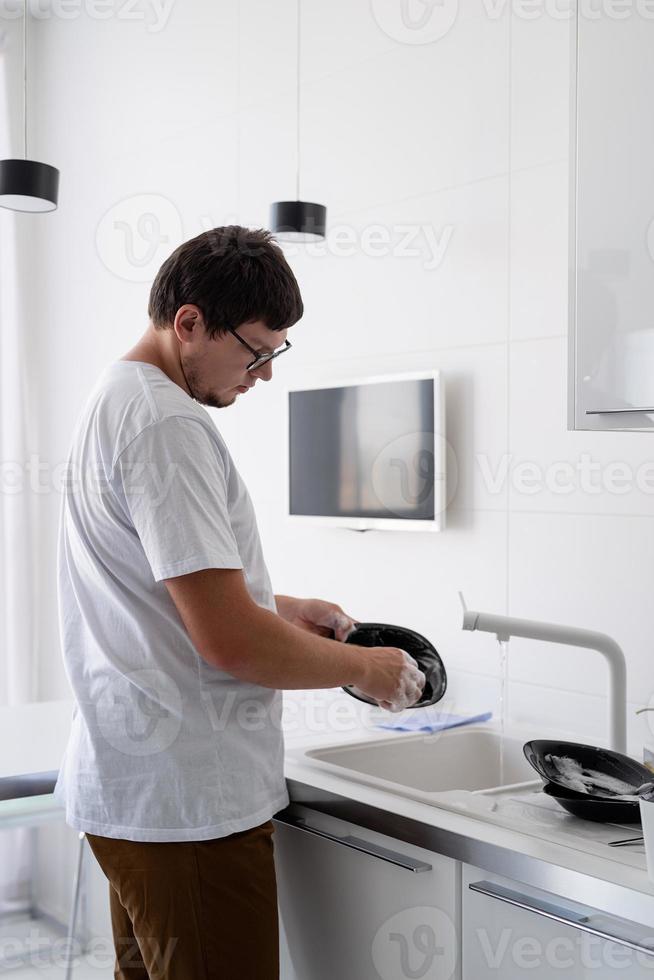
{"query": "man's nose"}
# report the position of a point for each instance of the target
(264, 372)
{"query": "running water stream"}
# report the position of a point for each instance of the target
(503, 700)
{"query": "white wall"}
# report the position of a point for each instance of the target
(466, 136)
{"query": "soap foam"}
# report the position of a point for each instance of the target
(589, 781)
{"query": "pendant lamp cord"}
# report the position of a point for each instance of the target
(299, 41)
(25, 82)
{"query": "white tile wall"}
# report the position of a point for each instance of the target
(465, 140)
(539, 251)
(573, 472)
(540, 91)
(410, 121)
(426, 273)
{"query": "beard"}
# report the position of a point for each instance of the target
(207, 398)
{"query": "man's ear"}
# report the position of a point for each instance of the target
(188, 320)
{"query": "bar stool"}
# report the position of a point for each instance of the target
(28, 801)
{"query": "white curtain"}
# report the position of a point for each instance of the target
(17, 502)
(18, 676)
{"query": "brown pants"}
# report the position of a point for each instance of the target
(193, 910)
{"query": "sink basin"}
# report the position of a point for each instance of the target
(459, 759)
(459, 771)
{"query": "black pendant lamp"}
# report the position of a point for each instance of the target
(27, 185)
(298, 221)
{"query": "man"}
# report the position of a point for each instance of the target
(174, 644)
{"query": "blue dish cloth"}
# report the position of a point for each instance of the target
(426, 720)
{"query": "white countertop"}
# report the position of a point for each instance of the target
(33, 738)
(570, 843)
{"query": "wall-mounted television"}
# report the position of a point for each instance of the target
(368, 453)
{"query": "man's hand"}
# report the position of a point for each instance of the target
(315, 616)
(392, 678)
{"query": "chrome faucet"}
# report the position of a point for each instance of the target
(507, 626)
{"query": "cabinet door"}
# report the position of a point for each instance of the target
(511, 930)
(613, 352)
(356, 905)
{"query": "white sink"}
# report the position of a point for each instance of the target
(418, 765)
(459, 771)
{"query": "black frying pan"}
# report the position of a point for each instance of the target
(415, 644)
(593, 808)
(597, 771)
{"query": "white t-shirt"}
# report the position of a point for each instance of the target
(163, 746)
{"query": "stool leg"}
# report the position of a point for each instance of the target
(33, 838)
(74, 907)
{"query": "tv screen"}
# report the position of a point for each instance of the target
(365, 451)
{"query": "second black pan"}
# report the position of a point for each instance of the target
(592, 808)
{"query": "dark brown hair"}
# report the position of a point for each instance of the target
(233, 275)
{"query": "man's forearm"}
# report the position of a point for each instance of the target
(279, 655)
(235, 634)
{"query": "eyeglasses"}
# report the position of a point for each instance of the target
(260, 359)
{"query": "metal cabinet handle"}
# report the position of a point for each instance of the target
(617, 411)
(366, 847)
(557, 913)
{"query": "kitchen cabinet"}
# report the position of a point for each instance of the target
(511, 930)
(359, 905)
(611, 362)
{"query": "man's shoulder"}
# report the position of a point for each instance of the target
(131, 397)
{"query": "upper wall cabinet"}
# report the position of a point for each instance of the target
(611, 377)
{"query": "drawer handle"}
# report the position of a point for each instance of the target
(366, 847)
(617, 411)
(555, 912)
